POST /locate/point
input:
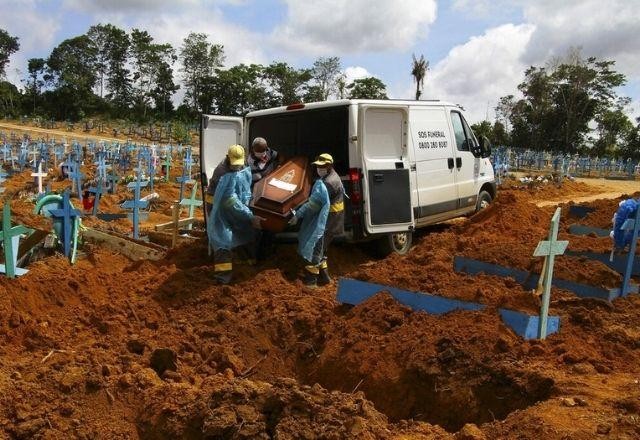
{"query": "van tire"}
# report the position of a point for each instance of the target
(399, 243)
(484, 200)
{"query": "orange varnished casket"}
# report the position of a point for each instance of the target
(281, 191)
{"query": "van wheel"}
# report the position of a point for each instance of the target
(399, 243)
(484, 200)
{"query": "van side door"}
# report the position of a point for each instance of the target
(467, 165)
(433, 148)
(386, 177)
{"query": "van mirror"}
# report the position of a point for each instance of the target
(485, 147)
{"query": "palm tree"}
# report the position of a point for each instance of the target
(419, 72)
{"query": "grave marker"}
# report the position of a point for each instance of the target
(136, 204)
(10, 237)
(549, 249)
(67, 213)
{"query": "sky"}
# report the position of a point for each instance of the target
(477, 50)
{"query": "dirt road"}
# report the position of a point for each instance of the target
(56, 133)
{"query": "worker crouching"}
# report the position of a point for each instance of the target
(322, 220)
(231, 223)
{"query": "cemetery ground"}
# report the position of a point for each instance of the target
(115, 348)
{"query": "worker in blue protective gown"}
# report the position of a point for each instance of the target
(627, 209)
(322, 220)
(231, 223)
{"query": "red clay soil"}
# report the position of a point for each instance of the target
(110, 348)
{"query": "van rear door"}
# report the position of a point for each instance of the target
(387, 188)
(217, 134)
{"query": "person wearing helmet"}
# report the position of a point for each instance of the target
(322, 220)
(231, 223)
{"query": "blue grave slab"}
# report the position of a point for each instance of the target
(618, 264)
(354, 292)
(529, 280)
(587, 230)
(527, 325)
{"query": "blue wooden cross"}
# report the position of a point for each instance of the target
(34, 153)
(76, 176)
(101, 167)
(22, 158)
(186, 172)
(97, 192)
(10, 237)
(136, 204)
(191, 202)
(6, 152)
(124, 161)
(631, 224)
(167, 163)
(67, 214)
(112, 182)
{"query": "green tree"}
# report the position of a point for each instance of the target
(151, 67)
(10, 100)
(499, 135)
(560, 102)
(482, 129)
(238, 90)
(119, 82)
(286, 83)
(199, 60)
(36, 68)
(615, 130)
(73, 75)
(8, 45)
(326, 72)
(419, 68)
(367, 88)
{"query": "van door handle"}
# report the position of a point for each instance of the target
(458, 162)
(450, 163)
(378, 177)
(412, 167)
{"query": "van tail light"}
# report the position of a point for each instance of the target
(355, 178)
(296, 106)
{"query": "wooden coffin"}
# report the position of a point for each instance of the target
(281, 191)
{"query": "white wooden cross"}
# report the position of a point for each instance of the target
(39, 175)
(549, 249)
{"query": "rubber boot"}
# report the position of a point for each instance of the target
(310, 278)
(323, 277)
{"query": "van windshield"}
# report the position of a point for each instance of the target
(306, 132)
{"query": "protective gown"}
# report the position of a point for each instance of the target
(229, 224)
(314, 215)
(627, 209)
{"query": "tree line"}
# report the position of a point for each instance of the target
(570, 105)
(109, 72)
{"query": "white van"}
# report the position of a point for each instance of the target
(404, 164)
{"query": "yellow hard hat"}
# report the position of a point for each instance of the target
(323, 160)
(236, 155)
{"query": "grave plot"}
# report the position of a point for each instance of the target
(153, 349)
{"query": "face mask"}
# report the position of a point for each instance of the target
(322, 172)
(260, 155)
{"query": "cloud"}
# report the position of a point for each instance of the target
(476, 74)
(356, 72)
(36, 33)
(608, 31)
(335, 27)
(128, 5)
